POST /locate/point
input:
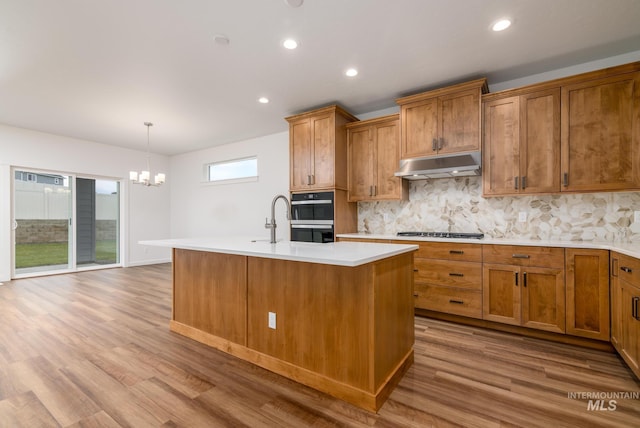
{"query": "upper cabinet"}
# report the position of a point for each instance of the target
(373, 154)
(601, 134)
(575, 134)
(521, 152)
(318, 149)
(441, 121)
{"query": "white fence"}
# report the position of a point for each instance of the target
(36, 201)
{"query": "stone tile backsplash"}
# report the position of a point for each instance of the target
(457, 205)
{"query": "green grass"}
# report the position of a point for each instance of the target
(56, 253)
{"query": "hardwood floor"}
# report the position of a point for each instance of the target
(93, 349)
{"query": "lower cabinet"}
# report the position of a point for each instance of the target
(528, 292)
(588, 293)
(448, 278)
(625, 307)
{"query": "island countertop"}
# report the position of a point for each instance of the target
(334, 253)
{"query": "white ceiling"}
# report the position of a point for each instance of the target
(96, 69)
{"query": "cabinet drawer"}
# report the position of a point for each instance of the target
(467, 303)
(448, 273)
(627, 268)
(446, 250)
(519, 255)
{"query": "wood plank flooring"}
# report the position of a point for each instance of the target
(93, 349)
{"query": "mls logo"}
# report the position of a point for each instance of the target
(601, 405)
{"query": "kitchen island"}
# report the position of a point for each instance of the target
(337, 317)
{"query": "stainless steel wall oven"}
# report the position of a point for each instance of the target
(312, 217)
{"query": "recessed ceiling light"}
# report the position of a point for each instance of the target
(294, 3)
(351, 72)
(501, 25)
(290, 44)
(220, 40)
(263, 100)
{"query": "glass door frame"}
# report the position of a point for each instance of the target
(72, 259)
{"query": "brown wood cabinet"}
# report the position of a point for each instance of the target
(213, 303)
(625, 306)
(442, 121)
(373, 156)
(587, 288)
(448, 278)
(347, 331)
(524, 286)
(521, 152)
(318, 149)
(601, 132)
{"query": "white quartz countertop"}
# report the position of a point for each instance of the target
(336, 253)
(629, 248)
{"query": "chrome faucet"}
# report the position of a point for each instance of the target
(272, 225)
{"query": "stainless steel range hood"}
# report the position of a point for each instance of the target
(445, 166)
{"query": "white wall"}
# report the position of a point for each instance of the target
(145, 210)
(200, 209)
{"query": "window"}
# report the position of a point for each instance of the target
(232, 169)
(32, 177)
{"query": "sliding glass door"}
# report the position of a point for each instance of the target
(43, 207)
(64, 223)
(98, 222)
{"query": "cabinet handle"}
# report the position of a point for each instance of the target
(565, 179)
(375, 190)
(434, 144)
(415, 270)
(524, 279)
(441, 144)
(370, 190)
(634, 308)
(515, 182)
(524, 182)
(626, 269)
(457, 302)
(614, 267)
(308, 180)
(313, 179)
(416, 295)
(455, 274)
(516, 277)
(456, 252)
(520, 256)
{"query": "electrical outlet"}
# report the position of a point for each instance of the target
(272, 320)
(522, 216)
(636, 216)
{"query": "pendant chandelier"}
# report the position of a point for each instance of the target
(144, 177)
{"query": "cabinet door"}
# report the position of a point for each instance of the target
(360, 163)
(387, 159)
(323, 153)
(600, 134)
(543, 298)
(501, 152)
(419, 128)
(630, 325)
(459, 122)
(501, 293)
(540, 142)
(588, 293)
(300, 152)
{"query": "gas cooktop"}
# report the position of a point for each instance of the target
(443, 235)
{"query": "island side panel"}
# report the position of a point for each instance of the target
(394, 333)
(210, 293)
(322, 316)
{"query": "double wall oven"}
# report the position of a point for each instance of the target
(312, 217)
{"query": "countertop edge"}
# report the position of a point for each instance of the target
(631, 249)
(306, 256)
